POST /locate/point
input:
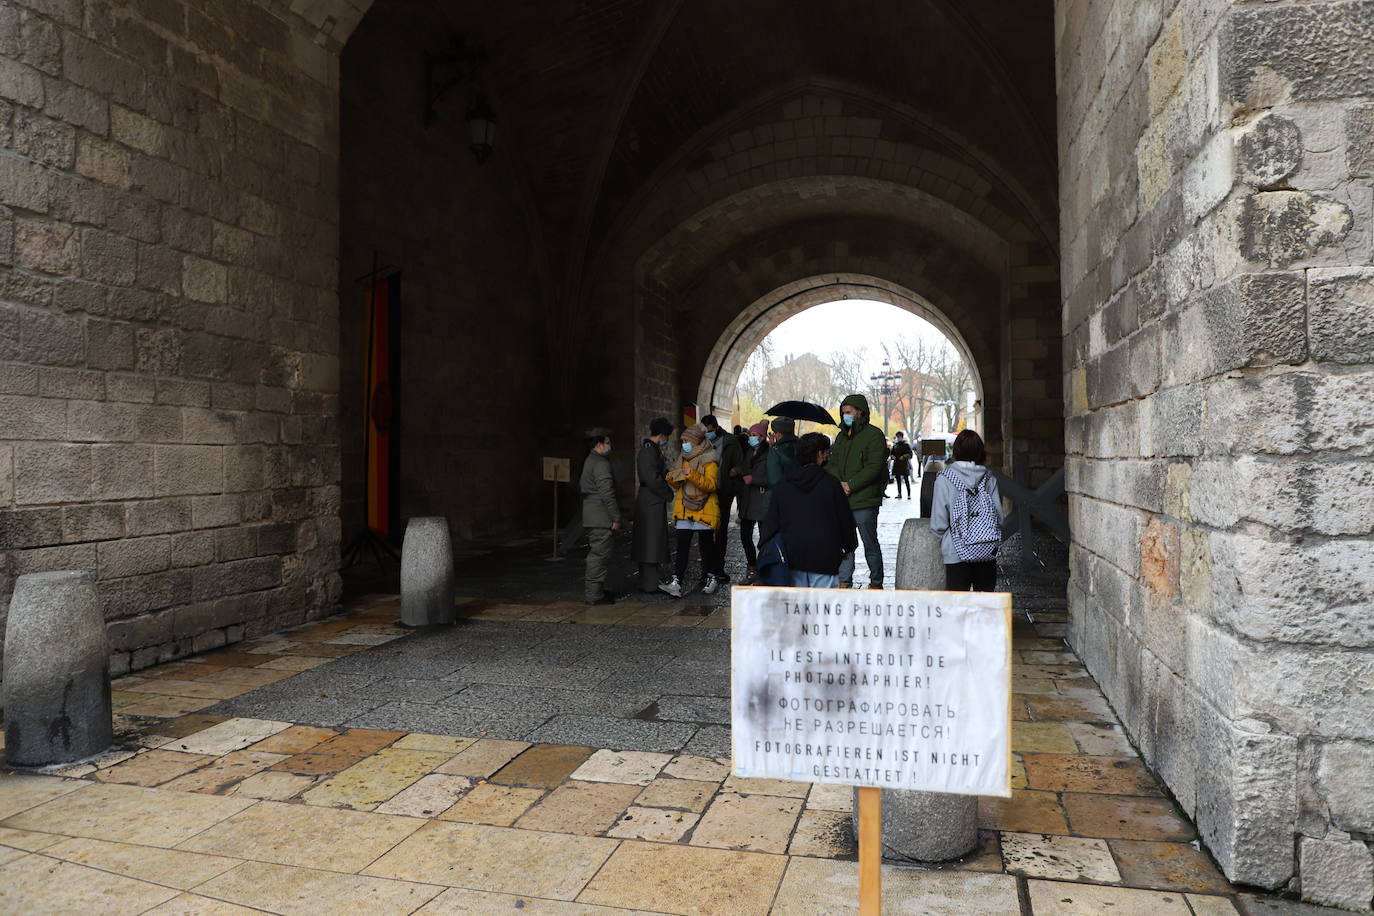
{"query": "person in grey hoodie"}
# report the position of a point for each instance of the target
(969, 456)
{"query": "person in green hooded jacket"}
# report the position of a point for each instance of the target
(859, 460)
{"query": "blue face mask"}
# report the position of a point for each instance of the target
(711, 436)
(753, 441)
(686, 447)
(608, 449)
(849, 419)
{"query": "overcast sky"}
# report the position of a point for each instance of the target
(848, 325)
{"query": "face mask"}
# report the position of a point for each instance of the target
(711, 436)
(849, 419)
(686, 447)
(608, 449)
(753, 441)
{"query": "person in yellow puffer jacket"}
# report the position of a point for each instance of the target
(696, 509)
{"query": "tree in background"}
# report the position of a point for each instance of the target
(848, 375)
(951, 386)
(932, 374)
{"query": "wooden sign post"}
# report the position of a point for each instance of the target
(870, 851)
(890, 689)
(557, 470)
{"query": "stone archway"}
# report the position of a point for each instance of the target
(755, 322)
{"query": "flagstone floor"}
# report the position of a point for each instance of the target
(548, 758)
(207, 813)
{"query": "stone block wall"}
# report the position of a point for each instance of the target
(1216, 213)
(473, 394)
(168, 318)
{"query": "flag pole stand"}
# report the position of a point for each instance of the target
(554, 557)
(870, 851)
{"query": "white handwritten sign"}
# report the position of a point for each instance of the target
(558, 470)
(893, 689)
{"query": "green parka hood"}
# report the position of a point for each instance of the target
(860, 403)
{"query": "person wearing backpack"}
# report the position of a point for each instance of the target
(966, 514)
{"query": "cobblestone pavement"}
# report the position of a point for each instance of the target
(552, 758)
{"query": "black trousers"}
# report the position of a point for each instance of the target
(978, 577)
(900, 478)
(746, 537)
(707, 545)
(727, 501)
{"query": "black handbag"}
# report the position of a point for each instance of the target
(772, 565)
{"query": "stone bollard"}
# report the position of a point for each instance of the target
(427, 573)
(57, 671)
(925, 826)
(929, 472)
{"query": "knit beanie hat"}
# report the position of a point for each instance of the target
(759, 429)
(695, 434)
(785, 426)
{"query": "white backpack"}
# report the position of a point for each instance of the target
(975, 519)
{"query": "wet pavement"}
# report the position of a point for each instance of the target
(548, 757)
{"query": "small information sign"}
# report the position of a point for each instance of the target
(886, 689)
(558, 470)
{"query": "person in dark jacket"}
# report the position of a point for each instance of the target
(600, 514)
(809, 508)
(782, 455)
(901, 463)
(651, 502)
(859, 462)
(733, 467)
(751, 501)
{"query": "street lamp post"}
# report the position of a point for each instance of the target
(884, 384)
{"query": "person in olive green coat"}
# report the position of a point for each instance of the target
(859, 461)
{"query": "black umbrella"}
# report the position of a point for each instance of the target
(801, 410)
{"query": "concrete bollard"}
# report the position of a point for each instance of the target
(57, 671)
(427, 573)
(925, 826)
(929, 472)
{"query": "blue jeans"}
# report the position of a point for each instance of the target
(813, 580)
(866, 520)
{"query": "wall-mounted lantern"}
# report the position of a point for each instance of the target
(443, 73)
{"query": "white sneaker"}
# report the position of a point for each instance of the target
(673, 588)
(712, 583)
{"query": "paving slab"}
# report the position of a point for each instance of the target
(587, 808)
(129, 814)
(684, 880)
(821, 887)
(303, 835)
(294, 891)
(636, 768)
(36, 884)
(494, 805)
(174, 868)
(1066, 858)
(1057, 898)
(480, 858)
(609, 731)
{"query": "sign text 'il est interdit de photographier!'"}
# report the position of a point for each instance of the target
(891, 689)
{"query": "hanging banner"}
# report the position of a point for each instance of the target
(889, 689)
(381, 371)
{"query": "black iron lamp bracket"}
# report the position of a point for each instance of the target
(444, 72)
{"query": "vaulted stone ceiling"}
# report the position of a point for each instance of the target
(595, 96)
